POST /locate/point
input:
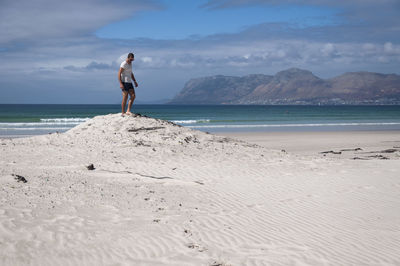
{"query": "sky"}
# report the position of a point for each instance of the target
(69, 51)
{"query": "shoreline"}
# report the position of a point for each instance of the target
(252, 135)
(41, 119)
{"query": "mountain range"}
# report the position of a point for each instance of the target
(292, 86)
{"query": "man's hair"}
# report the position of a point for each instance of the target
(130, 55)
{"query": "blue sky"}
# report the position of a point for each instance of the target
(70, 51)
(182, 19)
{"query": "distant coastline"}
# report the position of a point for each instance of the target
(293, 87)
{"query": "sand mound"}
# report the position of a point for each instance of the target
(137, 128)
(110, 131)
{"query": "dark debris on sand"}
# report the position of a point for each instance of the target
(365, 157)
(333, 152)
(20, 178)
(379, 156)
(356, 149)
(143, 128)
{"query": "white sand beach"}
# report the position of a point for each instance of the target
(162, 194)
(315, 142)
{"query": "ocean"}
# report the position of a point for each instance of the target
(23, 119)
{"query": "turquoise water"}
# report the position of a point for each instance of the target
(41, 119)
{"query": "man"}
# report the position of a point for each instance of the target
(125, 77)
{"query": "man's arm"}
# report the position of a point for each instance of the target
(134, 80)
(119, 77)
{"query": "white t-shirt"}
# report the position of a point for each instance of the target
(126, 73)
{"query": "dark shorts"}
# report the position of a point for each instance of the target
(127, 86)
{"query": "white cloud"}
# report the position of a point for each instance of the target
(105, 55)
(146, 59)
(328, 49)
(391, 49)
(34, 20)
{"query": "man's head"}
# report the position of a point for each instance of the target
(130, 57)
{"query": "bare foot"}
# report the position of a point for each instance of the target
(122, 114)
(128, 113)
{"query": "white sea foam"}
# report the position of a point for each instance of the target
(297, 125)
(65, 119)
(67, 123)
(30, 124)
(35, 128)
(191, 121)
(45, 123)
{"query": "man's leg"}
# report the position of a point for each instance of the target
(132, 98)
(124, 99)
